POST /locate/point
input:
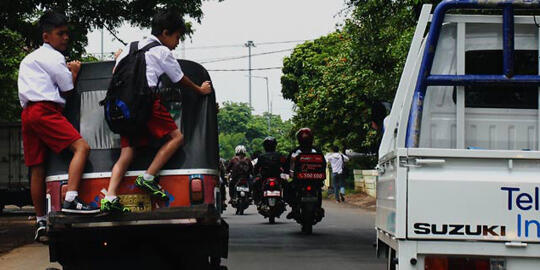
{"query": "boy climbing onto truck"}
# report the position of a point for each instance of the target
(167, 28)
(44, 80)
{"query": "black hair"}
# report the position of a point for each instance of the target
(167, 19)
(269, 144)
(50, 20)
(335, 148)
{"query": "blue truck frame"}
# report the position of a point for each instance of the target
(425, 78)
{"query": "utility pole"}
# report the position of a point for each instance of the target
(267, 99)
(102, 55)
(249, 44)
(183, 50)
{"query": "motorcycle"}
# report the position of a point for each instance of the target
(243, 196)
(309, 181)
(272, 204)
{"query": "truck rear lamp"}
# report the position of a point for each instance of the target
(196, 189)
(463, 263)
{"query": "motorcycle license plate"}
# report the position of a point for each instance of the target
(310, 199)
(245, 189)
(270, 193)
(136, 202)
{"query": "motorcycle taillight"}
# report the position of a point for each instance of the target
(308, 188)
(272, 184)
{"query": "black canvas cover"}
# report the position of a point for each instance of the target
(196, 116)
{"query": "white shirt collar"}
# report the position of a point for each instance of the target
(48, 46)
(154, 38)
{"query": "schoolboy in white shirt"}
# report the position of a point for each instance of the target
(44, 80)
(167, 28)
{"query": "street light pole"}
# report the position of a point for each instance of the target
(267, 99)
(249, 44)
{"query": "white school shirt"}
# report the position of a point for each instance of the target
(159, 60)
(42, 75)
(336, 161)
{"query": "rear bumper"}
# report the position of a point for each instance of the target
(167, 232)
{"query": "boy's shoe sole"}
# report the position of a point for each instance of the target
(76, 211)
(40, 233)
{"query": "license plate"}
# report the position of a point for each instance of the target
(245, 189)
(137, 202)
(310, 199)
(269, 193)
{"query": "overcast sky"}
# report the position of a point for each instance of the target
(229, 25)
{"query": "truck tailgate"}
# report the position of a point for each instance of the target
(473, 195)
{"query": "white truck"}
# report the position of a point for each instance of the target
(459, 162)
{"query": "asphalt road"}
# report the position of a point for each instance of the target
(343, 240)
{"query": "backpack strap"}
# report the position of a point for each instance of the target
(150, 46)
(133, 47)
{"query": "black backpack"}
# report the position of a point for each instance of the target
(128, 104)
(242, 168)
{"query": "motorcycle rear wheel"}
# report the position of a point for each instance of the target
(272, 220)
(307, 228)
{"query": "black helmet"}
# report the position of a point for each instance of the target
(305, 137)
(269, 144)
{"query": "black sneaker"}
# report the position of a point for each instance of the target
(77, 206)
(41, 231)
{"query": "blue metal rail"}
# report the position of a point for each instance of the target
(425, 78)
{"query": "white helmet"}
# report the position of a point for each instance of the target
(240, 149)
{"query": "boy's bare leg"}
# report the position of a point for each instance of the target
(176, 139)
(37, 188)
(80, 151)
(119, 169)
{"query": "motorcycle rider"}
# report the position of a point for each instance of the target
(269, 164)
(305, 142)
(239, 167)
(222, 182)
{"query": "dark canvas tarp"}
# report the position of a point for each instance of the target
(196, 116)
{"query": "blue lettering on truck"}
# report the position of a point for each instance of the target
(524, 201)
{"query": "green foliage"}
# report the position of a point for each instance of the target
(237, 125)
(22, 16)
(19, 34)
(335, 80)
(12, 52)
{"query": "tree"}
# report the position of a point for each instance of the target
(11, 50)
(19, 34)
(336, 79)
(21, 16)
(237, 126)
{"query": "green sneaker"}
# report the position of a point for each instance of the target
(113, 206)
(151, 187)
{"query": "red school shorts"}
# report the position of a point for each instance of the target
(158, 126)
(44, 127)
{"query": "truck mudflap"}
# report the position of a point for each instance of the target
(172, 238)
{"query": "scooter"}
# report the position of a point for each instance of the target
(243, 196)
(272, 204)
